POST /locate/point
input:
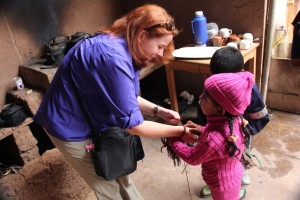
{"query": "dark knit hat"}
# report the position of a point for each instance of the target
(232, 91)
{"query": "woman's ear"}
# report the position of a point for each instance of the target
(142, 35)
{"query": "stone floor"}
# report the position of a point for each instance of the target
(277, 147)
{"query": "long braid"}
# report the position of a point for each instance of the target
(246, 131)
(231, 140)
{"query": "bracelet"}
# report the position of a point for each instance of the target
(183, 132)
(155, 109)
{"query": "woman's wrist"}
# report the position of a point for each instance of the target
(155, 110)
(183, 132)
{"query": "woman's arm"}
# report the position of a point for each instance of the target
(149, 108)
(157, 130)
(146, 106)
(154, 129)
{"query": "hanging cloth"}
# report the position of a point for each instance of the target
(296, 41)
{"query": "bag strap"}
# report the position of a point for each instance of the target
(76, 92)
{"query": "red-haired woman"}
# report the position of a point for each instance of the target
(96, 89)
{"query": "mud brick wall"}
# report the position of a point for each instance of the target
(18, 146)
(48, 177)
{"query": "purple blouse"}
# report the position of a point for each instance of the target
(96, 87)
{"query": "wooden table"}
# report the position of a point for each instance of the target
(201, 66)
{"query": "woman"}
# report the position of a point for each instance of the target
(96, 89)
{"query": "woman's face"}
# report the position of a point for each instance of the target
(208, 105)
(154, 46)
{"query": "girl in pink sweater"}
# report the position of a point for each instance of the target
(222, 141)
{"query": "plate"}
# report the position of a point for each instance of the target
(194, 52)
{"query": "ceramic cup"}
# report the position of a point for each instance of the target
(232, 44)
(225, 32)
(248, 36)
(245, 44)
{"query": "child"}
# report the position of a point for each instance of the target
(222, 141)
(229, 59)
(225, 60)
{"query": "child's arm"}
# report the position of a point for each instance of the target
(196, 155)
(256, 113)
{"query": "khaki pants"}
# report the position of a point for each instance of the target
(75, 153)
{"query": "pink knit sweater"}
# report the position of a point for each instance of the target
(219, 171)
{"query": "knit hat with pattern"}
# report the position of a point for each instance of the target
(232, 91)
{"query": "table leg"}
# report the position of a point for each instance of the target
(172, 88)
(252, 66)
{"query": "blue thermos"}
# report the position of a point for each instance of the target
(199, 28)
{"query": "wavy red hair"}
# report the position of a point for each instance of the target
(139, 19)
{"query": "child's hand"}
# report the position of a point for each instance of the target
(194, 128)
(190, 137)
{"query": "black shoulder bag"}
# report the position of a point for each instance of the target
(116, 153)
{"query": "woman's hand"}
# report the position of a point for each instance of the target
(169, 116)
(147, 107)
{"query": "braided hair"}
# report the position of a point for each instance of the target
(232, 137)
(246, 131)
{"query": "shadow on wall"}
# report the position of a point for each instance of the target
(39, 18)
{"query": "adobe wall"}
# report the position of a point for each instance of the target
(284, 86)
